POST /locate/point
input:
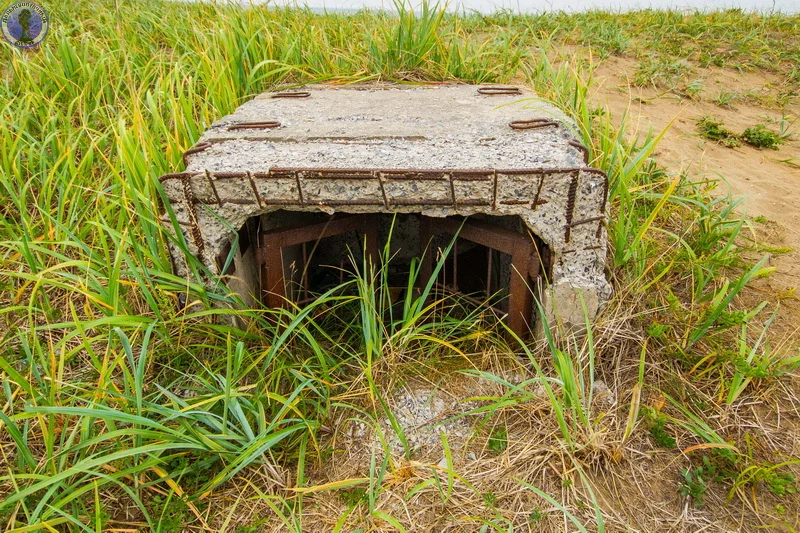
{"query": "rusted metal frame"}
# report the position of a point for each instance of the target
(229, 175)
(273, 241)
(399, 174)
(331, 173)
(570, 207)
(491, 91)
(514, 202)
(473, 175)
(391, 173)
(519, 247)
(335, 203)
(549, 171)
(416, 175)
(501, 239)
(520, 299)
(265, 125)
(292, 235)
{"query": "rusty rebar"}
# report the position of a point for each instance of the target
(269, 124)
(570, 207)
(399, 174)
(292, 94)
(491, 91)
(195, 150)
(532, 124)
(582, 148)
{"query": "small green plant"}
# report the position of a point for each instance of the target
(760, 219)
(657, 422)
(173, 513)
(693, 89)
(757, 360)
(693, 485)
(489, 498)
(780, 483)
(498, 440)
(726, 98)
(695, 481)
(711, 128)
(353, 497)
(760, 137)
(535, 516)
(657, 331)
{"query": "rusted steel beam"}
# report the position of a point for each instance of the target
(525, 261)
(274, 241)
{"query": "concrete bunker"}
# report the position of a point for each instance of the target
(276, 195)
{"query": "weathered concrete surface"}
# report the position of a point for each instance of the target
(437, 151)
(450, 127)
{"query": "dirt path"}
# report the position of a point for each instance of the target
(771, 188)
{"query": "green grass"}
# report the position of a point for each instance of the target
(114, 396)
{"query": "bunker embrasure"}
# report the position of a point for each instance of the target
(277, 195)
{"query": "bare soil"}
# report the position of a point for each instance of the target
(769, 186)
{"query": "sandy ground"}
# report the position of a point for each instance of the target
(770, 188)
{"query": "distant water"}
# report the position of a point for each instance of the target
(538, 6)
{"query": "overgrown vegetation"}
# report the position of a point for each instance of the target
(122, 408)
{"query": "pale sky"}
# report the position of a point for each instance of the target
(487, 6)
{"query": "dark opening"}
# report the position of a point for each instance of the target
(301, 255)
